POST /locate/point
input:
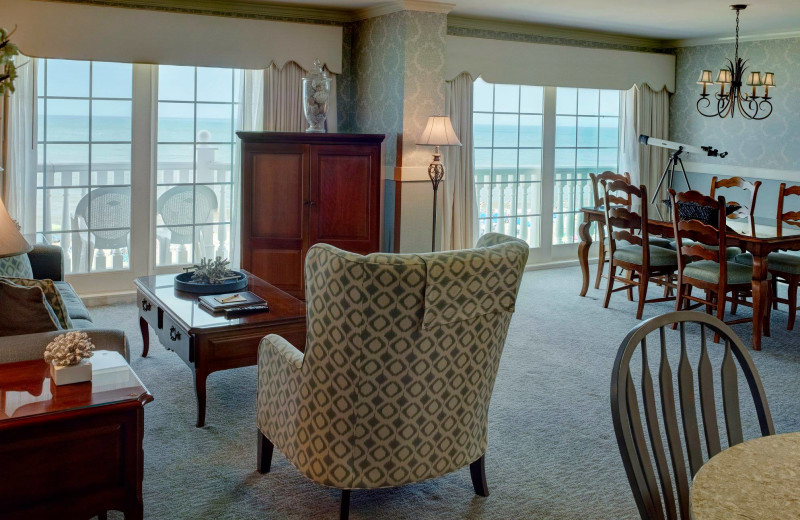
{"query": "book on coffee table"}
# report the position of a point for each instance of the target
(221, 302)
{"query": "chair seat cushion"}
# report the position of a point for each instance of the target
(659, 241)
(659, 256)
(708, 271)
(731, 252)
(780, 262)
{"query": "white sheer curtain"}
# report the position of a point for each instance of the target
(459, 223)
(250, 118)
(644, 111)
(19, 180)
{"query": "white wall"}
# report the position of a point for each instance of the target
(85, 32)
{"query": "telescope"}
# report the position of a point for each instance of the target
(688, 148)
(675, 160)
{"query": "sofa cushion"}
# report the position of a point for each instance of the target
(18, 266)
(52, 295)
(75, 306)
(25, 310)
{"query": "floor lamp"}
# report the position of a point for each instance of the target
(438, 132)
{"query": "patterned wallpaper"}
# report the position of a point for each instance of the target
(772, 143)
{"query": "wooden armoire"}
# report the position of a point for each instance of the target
(299, 189)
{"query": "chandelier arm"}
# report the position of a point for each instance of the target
(707, 105)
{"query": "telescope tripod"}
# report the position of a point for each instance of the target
(674, 160)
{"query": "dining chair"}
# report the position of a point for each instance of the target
(747, 208)
(662, 491)
(700, 263)
(646, 262)
(784, 267)
(616, 199)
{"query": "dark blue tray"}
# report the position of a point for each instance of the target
(183, 282)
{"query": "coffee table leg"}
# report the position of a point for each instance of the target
(145, 336)
(200, 392)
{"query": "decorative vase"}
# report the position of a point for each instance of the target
(316, 90)
(67, 375)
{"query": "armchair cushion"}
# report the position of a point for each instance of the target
(462, 285)
(24, 309)
(18, 266)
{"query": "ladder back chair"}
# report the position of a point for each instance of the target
(700, 263)
(745, 210)
(784, 267)
(662, 491)
(643, 260)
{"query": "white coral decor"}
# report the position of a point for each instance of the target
(69, 349)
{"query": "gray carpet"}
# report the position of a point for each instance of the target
(552, 451)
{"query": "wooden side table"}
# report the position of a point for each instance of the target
(72, 451)
(210, 342)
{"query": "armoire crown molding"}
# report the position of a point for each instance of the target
(402, 5)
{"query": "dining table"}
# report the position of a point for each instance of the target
(759, 237)
(758, 478)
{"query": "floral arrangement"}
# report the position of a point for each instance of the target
(8, 70)
(69, 349)
(212, 271)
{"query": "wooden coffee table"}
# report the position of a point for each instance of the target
(71, 451)
(207, 342)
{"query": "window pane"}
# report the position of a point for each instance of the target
(214, 123)
(504, 165)
(175, 163)
(531, 99)
(530, 165)
(588, 102)
(565, 162)
(483, 97)
(566, 100)
(67, 78)
(528, 196)
(112, 80)
(67, 165)
(483, 165)
(505, 130)
(214, 85)
(506, 98)
(607, 159)
(482, 130)
(530, 131)
(587, 131)
(565, 130)
(111, 121)
(609, 103)
(175, 83)
(111, 164)
(67, 120)
(609, 131)
(586, 162)
(175, 122)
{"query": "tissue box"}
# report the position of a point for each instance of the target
(68, 375)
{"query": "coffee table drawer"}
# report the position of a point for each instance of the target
(174, 338)
(147, 309)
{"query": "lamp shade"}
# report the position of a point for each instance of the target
(768, 80)
(11, 240)
(754, 79)
(705, 78)
(438, 132)
(724, 77)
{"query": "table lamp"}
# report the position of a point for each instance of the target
(438, 132)
(11, 241)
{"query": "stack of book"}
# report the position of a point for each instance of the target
(233, 304)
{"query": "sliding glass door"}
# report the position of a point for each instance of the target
(534, 148)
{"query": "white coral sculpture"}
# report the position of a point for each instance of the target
(69, 349)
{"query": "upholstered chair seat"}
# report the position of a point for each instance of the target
(708, 271)
(730, 252)
(782, 262)
(658, 255)
(400, 360)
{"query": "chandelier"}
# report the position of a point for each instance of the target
(751, 106)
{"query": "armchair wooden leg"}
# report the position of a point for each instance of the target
(477, 470)
(264, 453)
(344, 511)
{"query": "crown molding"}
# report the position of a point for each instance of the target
(695, 42)
(402, 5)
(230, 8)
(551, 31)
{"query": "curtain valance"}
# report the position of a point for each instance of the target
(88, 32)
(521, 63)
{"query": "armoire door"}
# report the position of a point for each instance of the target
(274, 216)
(345, 197)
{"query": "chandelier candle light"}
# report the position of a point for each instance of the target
(735, 98)
(438, 132)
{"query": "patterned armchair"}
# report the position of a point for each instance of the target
(400, 362)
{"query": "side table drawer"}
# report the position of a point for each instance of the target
(147, 310)
(174, 338)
